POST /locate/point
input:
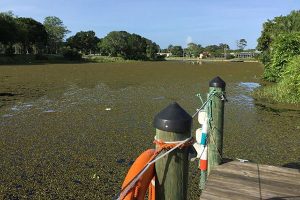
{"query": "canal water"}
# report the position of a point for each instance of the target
(72, 131)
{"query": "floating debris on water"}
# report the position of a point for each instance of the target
(159, 98)
(95, 176)
(15, 108)
(107, 109)
(7, 115)
(49, 111)
(242, 160)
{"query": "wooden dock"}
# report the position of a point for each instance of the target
(236, 180)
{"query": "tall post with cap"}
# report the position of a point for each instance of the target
(172, 124)
(216, 110)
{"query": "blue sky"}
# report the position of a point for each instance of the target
(163, 21)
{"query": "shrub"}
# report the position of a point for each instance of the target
(229, 56)
(288, 89)
(290, 83)
(71, 54)
(41, 57)
(161, 57)
(283, 49)
(9, 51)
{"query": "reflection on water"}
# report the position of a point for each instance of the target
(243, 94)
(159, 98)
(7, 115)
(49, 111)
(194, 62)
(250, 86)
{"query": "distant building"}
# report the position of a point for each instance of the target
(204, 55)
(251, 54)
(164, 54)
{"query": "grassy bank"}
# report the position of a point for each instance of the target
(106, 59)
(35, 59)
(287, 90)
(59, 59)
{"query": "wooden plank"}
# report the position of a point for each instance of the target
(274, 181)
(238, 165)
(253, 184)
(235, 180)
(265, 172)
(223, 188)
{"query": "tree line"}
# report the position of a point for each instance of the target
(194, 50)
(28, 36)
(116, 43)
(19, 35)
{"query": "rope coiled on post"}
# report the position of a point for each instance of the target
(163, 145)
(169, 146)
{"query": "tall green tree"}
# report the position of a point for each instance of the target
(31, 34)
(115, 43)
(193, 50)
(283, 49)
(224, 46)
(56, 32)
(273, 29)
(280, 46)
(136, 47)
(170, 47)
(241, 44)
(84, 41)
(151, 49)
(177, 51)
(213, 49)
(8, 30)
(128, 46)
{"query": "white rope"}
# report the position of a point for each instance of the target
(133, 182)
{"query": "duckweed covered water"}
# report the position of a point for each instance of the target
(72, 131)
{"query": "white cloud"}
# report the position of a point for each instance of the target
(188, 40)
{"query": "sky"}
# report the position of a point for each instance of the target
(165, 22)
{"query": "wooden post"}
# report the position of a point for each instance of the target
(215, 138)
(172, 124)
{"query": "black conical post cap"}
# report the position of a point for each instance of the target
(173, 118)
(217, 82)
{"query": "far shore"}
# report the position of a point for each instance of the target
(59, 59)
(211, 59)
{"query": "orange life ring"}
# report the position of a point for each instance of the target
(146, 181)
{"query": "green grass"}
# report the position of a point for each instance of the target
(277, 93)
(288, 89)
